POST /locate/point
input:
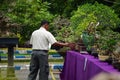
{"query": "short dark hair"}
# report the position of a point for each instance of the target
(44, 22)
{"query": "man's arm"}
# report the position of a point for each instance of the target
(58, 45)
(61, 44)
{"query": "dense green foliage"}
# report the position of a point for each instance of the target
(116, 7)
(62, 7)
(108, 40)
(62, 31)
(76, 16)
(65, 8)
(95, 13)
(86, 18)
(28, 14)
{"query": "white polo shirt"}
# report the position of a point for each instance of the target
(41, 39)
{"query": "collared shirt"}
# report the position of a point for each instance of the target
(41, 39)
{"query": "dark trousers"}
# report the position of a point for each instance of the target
(39, 63)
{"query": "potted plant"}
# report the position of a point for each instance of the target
(7, 34)
(107, 42)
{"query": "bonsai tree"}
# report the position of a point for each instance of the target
(108, 40)
(89, 36)
(96, 12)
(63, 33)
(62, 30)
(7, 28)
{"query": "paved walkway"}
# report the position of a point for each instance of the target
(22, 74)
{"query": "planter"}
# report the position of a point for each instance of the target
(95, 54)
(89, 52)
(109, 60)
(116, 65)
(103, 57)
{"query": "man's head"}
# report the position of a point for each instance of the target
(45, 24)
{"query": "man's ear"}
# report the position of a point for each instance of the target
(46, 26)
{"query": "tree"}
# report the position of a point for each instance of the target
(116, 7)
(65, 7)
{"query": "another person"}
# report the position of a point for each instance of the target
(40, 41)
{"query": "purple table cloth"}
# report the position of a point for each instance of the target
(83, 67)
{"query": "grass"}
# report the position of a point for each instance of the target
(28, 60)
(26, 54)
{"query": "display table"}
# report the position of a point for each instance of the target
(83, 67)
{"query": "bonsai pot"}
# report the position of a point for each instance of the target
(95, 54)
(109, 60)
(89, 52)
(116, 65)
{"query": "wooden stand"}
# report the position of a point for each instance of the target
(10, 43)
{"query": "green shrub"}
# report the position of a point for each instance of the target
(94, 13)
(88, 13)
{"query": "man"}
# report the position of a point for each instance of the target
(40, 41)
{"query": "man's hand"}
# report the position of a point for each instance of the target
(72, 46)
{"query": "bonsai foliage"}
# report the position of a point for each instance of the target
(7, 28)
(88, 13)
(116, 7)
(108, 41)
(81, 19)
(93, 13)
(62, 30)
